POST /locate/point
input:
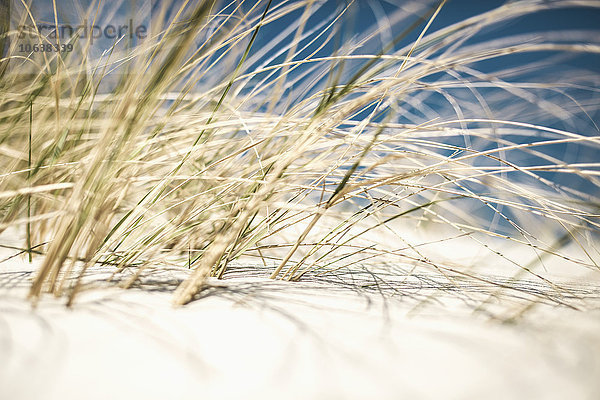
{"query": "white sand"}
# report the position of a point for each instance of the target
(259, 339)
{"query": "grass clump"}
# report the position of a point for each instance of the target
(280, 132)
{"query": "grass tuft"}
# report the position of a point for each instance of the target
(279, 133)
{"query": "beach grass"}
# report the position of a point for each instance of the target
(273, 132)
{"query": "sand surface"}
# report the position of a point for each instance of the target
(253, 338)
